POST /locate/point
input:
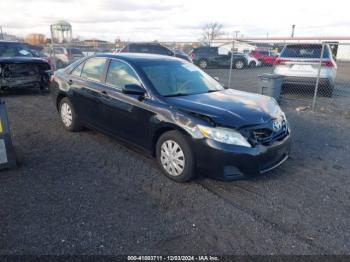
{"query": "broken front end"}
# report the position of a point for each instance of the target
(24, 74)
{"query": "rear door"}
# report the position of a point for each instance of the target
(86, 82)
(224, 59)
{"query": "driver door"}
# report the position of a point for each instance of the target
(124, 115)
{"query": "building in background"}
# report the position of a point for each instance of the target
(9, 37)
(35, 39)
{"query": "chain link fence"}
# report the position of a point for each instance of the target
(316, 75)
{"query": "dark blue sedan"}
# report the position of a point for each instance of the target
(175, 112)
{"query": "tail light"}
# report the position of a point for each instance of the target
(328, 63)
(68, 55)
(280, 61)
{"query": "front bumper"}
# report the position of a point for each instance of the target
(231, 162)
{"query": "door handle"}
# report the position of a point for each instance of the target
(103, 92)
(70, 81)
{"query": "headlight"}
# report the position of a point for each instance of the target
(223, 135)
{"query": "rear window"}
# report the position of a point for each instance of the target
(58, 51)
(140, 48)
(161, 50)
(14, 50)
(75, 51)
(304, 51)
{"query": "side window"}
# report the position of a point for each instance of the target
(77, 70)
(93, 68)
(143, 49)
(120, 74)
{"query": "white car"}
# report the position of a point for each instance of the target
(300, 63)
(252, 61)
(64, 56)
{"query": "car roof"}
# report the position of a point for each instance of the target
(138, 57)
(144, 43)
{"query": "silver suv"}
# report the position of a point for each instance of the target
(299, 64)
(64, 56)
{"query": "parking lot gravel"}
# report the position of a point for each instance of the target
(86, 193)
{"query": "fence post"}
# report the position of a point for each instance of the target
(231, 64)
(52, 52)
(318, 78)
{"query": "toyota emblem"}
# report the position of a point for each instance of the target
(276, 125)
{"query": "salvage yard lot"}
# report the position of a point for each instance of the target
(85, 193)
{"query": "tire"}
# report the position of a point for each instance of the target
(182, 169)
(252, 64)
(68, 115)
(203, 63)
(239, 64)
(328, 91)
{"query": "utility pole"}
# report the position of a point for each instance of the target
(237, 32)
(293, 28)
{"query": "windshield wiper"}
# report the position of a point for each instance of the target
(177, 94)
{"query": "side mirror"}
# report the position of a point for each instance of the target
(133, 89)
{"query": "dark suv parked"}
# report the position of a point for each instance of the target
(205, 57)
(154, 48)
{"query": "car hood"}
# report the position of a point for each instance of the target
(24, 60)
(229, 107)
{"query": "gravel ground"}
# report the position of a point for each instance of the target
(85, 193)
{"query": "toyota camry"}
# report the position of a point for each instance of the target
(175, 112)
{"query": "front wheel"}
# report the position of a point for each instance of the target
(252, 64)
(239, 64)
(203, 64)
(68, 116)
(174, 157)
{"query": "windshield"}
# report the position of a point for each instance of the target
(173, 78)
(14, 50)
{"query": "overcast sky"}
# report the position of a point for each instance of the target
(175, 20)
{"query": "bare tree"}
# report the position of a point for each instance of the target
(211, 31)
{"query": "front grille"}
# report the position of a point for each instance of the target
(265, 134)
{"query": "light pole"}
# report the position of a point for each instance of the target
(236, 33)
(293, 28)
(1, 34)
